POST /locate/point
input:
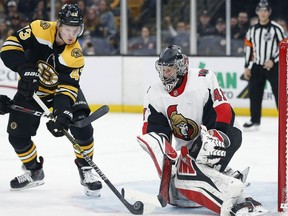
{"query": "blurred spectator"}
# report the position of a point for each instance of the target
(88, 46)
(114, 4)
(107, 18)
(2, 7)
(253, 20)
(93, 24)
(233, 24)
(24, 7)
(148, 11)
(5, 31)
(180, 36)
(283, 23)
(82, 6)
(204, 26)
(214, 44)
(220, 27)
(12, 11)
(40, 12)
(242, 26)
(143, 45)
(15, 23)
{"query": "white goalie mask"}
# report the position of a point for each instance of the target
(171, 66)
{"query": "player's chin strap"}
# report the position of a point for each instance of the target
(137, 208)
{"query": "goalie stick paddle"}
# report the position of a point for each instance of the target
(163, 195)
(137, 208)
(80, 124)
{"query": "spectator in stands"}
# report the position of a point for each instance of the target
(180, 36)
(253, 20)
(204, 26)
(24, 7)
(220, 27)
(107, 19)
(40, 12)
(143, 45)
(233, 25)
(242, 26)
(284, 25)
(12, 11)
(148, 11)
(88, 46)
(15, 23)
(93, 24)
(82, 6)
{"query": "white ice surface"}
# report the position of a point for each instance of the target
(122, 160)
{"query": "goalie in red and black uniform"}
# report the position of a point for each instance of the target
(188, 106)
(49, 60)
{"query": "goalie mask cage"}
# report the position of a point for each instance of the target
(283, 127)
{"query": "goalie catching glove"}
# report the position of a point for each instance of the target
(62, 121)
(214, 144)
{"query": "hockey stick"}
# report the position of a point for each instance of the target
(137, 208)
(80, 124)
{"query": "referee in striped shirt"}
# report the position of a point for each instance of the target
(261, 60)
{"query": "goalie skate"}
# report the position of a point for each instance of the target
(249, 207)
(89, 180)
(31, 178)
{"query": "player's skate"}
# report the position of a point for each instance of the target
(31, 178)
(89, 180)
(249, 207)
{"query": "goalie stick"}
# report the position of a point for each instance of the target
(80, 124)
(163, 195)
(137, 208)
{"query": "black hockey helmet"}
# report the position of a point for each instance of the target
(263, 4)
(71, 15)
(173, 57)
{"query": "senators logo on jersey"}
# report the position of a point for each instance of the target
(183, 128)
(203, 72)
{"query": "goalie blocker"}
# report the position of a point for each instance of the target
(193, 182)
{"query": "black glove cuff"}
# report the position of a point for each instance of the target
(28, 67)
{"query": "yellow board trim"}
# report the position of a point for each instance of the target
(271, 112)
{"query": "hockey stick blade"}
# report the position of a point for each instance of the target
(94, 116)
(137, 208)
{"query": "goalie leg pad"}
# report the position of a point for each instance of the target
(157, 146)
(205, 185)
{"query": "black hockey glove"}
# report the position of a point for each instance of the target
(29, 81)
(62, 121)
(5, 103)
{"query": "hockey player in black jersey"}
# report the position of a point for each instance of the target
(49, 60)
(191, 133)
